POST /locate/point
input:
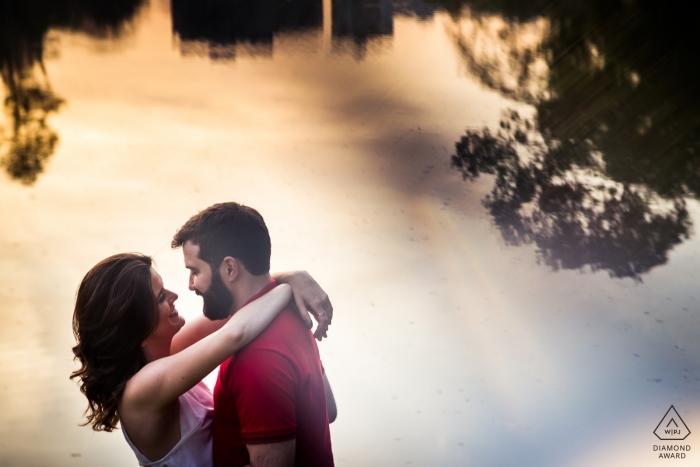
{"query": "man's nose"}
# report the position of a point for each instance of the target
(191, 284)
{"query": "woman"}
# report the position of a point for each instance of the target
(124, 324)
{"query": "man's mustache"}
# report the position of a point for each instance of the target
(198, 292)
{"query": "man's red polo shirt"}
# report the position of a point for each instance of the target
(271, 391)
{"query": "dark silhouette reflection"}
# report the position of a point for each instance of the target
(32, 141)
(29, 99)
(556, 196)
(415, 8)
(225, 29)
(617, 97)
(358, 24)
(221, 25)
(361, 21)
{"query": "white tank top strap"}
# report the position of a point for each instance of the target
(195, 446)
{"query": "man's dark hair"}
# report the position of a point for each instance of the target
(228, 229)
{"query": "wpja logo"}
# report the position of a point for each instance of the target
(672, 428)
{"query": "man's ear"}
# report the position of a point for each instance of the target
(229, 269)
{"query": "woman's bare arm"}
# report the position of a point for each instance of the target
(195, 330)
(161, 382)
(309, 298)
(307, 295)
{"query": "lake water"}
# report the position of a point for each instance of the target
(531, 301)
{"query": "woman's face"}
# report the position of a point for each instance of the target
(169, 320)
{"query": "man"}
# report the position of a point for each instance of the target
(270, 398)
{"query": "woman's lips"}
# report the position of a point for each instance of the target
(173, 313)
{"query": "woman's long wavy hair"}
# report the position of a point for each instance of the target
(115, 310)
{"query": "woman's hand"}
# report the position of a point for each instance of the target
(309, 298)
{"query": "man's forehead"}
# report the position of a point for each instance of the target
(191, 252)
(190, 245)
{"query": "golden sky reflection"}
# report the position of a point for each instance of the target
(446, 346)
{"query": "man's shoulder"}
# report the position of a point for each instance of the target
(285, 335)
(287, 327)
(272, 352)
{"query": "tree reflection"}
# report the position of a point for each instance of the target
(556, 196)
(32, 141)
(617, 117)
(29, 100)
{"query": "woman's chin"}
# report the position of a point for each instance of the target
(177, 320)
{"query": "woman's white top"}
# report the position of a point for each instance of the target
(195, 446)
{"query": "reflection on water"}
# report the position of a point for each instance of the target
(219, 27)
(560, 199)
(224, 29)
(28, 103)
(29, 141)
(447, 348)
(361, 21)
(615, 88)
(506, 56)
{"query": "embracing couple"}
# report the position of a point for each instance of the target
(142, 366)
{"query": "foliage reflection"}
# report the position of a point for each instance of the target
(616, 102)
(29, 100)
(557, 196)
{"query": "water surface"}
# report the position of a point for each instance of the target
(499, 199)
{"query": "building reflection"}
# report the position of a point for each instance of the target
(29, 141)
(361, 21)
(600, 176)
(225, 29)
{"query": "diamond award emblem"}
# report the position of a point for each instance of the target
(672, 427)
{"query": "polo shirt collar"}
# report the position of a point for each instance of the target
(270, 285)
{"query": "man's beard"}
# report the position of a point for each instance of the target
(218, 300)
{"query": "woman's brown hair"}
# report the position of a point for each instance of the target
(115, 310)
